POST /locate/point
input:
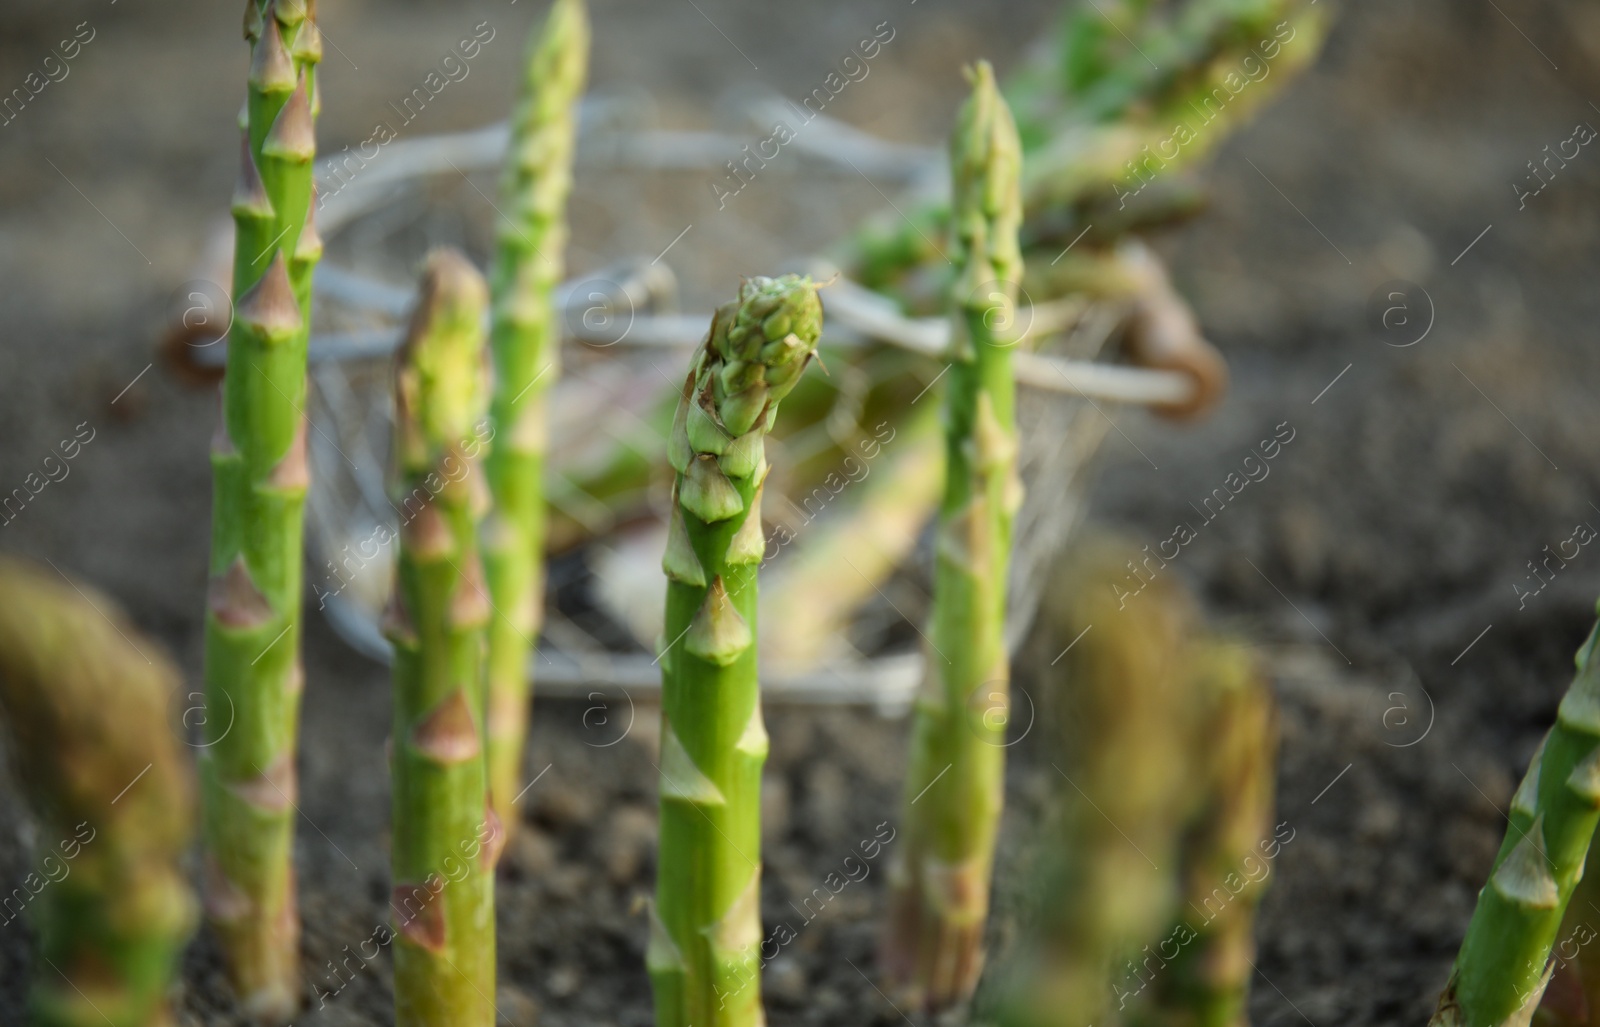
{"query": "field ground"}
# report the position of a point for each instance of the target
(1378, 567)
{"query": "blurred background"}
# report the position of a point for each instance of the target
(1384, 568)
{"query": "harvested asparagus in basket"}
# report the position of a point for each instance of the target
(703, 955)
(939, 884)
(86, 700)
(1503, 967)
(525, 338)
(1111, 118)
(258, 457)
(446, 837)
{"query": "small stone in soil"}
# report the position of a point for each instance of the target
(532, 853)
(562, 805)
(630, 837)
(516, 1008)
(563, 981)
(774, 805)
(785, 980)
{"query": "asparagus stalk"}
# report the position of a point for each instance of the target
(258, 458)
(703, 958)
(525, 338)
(86, 701)
(939, 884)
(1500, 972)
(445, 834)
(1118, 704)
(1205, 960)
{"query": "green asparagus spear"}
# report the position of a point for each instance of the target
(703, 956)
(1205, 960)
(258, 458)
(446, 837)
(1121, 714)
(1501, 971)
(525, 339)
(939, 885)
(86, 700)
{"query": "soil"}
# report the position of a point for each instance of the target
(1382, 568)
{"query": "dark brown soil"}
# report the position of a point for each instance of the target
(1378, 566)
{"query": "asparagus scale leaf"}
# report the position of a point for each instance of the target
(703, 954)
(86, 700)
(939, 882)
(446, 837)
(253, 674)
(525, 340)
(1501, 971)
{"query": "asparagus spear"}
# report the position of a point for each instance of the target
(252, 650)
(525, 338)
(1118, 704)
(1205, 959)
(445, 834)
(703, 957)
(939, 885)
(1500, 972)
(86, 702)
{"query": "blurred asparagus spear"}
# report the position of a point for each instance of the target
(1204, 963)
(86, 701)
(703, 960)
(445, 835)
(1117, 702)
(1503, 966)
(258, 458)
(840, 555)
(525, 338)
(939, 884)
